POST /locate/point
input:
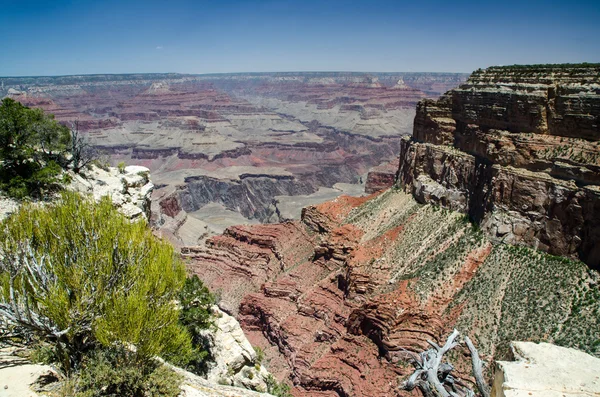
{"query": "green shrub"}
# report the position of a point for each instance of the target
(33, 148)
(43, 353)
(196, 315)
(78, 274)
(117, 372)
(260, 355)
(121, 167)
(277, 389)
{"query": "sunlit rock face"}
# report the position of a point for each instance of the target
(545, 370)
(129, 189)
(337, 298)
(518, 149)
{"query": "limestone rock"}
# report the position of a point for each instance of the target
(196, 386)
(130, 191)
(234, 361)
(546, 370)
(7, 206)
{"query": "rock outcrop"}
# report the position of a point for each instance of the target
(130, 189)
(546, 370)
(518, 150)
(233, 360)
(336, 299)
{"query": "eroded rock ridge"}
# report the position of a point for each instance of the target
(518, 149)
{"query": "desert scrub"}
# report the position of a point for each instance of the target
(115, 371)
(78, 275)
(276, 388)
(260, 356)
(196, 316)
(382, 213)
(522, 294)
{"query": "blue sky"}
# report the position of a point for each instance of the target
(58, 37)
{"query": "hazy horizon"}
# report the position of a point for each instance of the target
(69, 37)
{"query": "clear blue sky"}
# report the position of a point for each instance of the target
(57, 37)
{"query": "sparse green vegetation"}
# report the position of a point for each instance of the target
(196, 315)
(98, 293)
(276, 388)
(260, 355)
(583, 65)
(116, 372)
(522, 294)
(33, 149)
(517, 293)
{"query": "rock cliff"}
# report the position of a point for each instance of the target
(338, 298)
(517, 149)
(335, 299)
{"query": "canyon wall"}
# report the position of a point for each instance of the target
(337, 299)
(518, 149)
(223, 148)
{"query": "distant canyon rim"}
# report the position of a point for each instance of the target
(239, 148)
(483, 211)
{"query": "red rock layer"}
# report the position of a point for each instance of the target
(381, 177)
(315, 297)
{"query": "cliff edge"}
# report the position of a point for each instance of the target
(517, 148)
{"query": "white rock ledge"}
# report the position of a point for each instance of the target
(546, 370)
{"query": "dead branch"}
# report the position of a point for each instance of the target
(477, 368)
(434, 377)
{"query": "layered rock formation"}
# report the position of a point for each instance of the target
(518, 149)
(229, 145)
(336, 299)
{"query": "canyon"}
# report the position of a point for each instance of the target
(481, 215)
(490, 227)
(238, 148)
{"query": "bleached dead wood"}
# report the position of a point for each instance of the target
(434, 377)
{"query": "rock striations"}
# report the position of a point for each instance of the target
(338, 298)
(518, 149)
(335, 299)
(222, 148)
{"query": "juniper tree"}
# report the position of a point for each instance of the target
(33, 147)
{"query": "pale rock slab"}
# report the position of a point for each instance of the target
(546, 370)
(235, 361)
(129, 190)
